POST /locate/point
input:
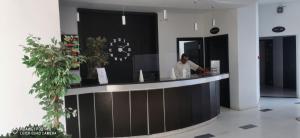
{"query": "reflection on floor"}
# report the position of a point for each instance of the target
(280, 122)
(269, 91)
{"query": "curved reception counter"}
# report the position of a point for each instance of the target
(143, 108)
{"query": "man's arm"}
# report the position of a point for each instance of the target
(195, 67)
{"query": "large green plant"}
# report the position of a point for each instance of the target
(52, 66)
(96, 55)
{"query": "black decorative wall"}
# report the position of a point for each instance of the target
(140, 34)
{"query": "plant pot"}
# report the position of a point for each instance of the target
(102, 77)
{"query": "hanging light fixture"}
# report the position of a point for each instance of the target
(165, 14)
(213, 22)
(196, 26)
(123, 17)
(195, 23)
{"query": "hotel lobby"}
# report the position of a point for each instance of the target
(150, 68)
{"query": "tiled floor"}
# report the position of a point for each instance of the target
(280, 122)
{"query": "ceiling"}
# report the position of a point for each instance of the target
(158, 5)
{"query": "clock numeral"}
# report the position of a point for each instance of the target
(129, 49)
(111, 55)
(115, 40)
(111, 44)
(110, 50)
(121, 59)
(119, 39)
(127, 44)
(116, 59)
(128, 54)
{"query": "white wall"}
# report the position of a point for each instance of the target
(248, 63)
(68, 22)
(290, 19)
(18, 19)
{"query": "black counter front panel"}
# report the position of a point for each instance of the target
(72, 122)
(121, 114)
(134, 113)
(139, 113)
(104, 119)
(87, 115)
(156, 111)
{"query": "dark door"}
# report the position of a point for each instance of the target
(216, 48)
(266, 61)
(194, 51)
(193, 47)
(289, 62)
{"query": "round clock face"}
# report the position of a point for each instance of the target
(119, 49)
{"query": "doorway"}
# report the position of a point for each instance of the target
(278, 66)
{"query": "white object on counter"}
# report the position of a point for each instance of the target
(215, 66)
(141, 76)
(173, 76)
(102, 77)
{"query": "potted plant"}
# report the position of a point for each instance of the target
(52, 66)
(97, 58)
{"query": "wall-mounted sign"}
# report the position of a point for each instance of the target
(119, 49)
(278, 29)
(214, 30)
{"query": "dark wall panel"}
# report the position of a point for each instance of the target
(200, 103)
(225, 93)
(156, 111)
(139, 113)
(218, 102)
(140, 31)
(121, 114)
(103, 105)
(72, 123)
(87, 116)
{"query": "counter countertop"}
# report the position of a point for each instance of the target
(136, 86)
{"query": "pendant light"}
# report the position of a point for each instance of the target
(213, 21)
(165, 12)
(195, 23)
(123, 17)
(196, 26)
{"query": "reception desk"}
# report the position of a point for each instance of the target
(148, 108)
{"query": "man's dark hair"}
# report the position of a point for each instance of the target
(184, 56)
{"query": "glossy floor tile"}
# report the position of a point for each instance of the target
(279, 123)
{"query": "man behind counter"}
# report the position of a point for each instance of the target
(184, 66)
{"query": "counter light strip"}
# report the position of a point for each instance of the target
(164, 108)
(130, 110)
(112, 113)
(95, 114)
(78, 116)
(148, 124)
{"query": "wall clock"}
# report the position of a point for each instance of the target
(119, 49)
